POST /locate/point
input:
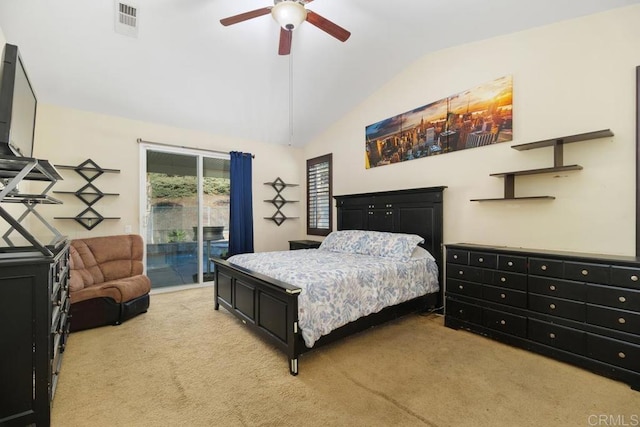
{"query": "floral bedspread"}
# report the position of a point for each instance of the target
(338, 288)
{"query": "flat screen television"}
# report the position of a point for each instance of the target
(18, 105)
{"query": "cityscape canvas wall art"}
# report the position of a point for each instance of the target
(472, 118)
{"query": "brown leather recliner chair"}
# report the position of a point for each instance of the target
(106, 284)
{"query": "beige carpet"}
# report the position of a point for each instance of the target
(185, 364)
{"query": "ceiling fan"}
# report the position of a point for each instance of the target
(289, 14)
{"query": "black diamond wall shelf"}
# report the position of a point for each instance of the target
(89, 170)
(278, 218)
(89, 194)
(279, 201)
(89, 218)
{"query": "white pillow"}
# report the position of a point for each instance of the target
(375, 243)
(421, 253)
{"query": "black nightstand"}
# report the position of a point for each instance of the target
(303, 244)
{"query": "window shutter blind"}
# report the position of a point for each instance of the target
(319, 195)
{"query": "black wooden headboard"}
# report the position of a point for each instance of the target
(414, 211)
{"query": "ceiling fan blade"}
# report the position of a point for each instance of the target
(245, 16)
(285, 42)
(327, 26)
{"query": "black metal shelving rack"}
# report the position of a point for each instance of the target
(14, 170)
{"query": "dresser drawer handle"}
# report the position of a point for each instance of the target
(585, 272)
(634, 278)
(480, 259)
(460, 287)
(622, 299)
(510, 263)
(503, 296)
(622, 321)
(503, 279)
(552, 306)
(460, 272)
(552, 287)
(503, 322)
(543, 267)
(552, 336)
(455, 257)
(621, 355)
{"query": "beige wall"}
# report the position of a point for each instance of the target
(572, 77)
(67, 136)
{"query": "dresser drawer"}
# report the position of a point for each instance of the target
(59, 294)
(545, 267)
(56, 315)
(485, 260)
(614, 352)
(621, 320)
(464, 288)
(505, 322)
(59, 317)
(463, 311)
(505, 296)
(558, 336)
(463, 272)
(625, 277)
(592, 273)
(560, 307)
(458, 256)
(506, 280)
(558, 288)
(516, 264)
(610, 296)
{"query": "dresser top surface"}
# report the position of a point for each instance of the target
(569, 255)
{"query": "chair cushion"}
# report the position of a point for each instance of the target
(78, 275)
(120, 290)
(102, 259)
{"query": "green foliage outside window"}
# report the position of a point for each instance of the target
(170, 187)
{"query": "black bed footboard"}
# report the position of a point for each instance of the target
(270, 308)
(266, 305)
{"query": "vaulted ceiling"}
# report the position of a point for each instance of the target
(185, 69)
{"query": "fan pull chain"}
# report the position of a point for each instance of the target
(290, 97)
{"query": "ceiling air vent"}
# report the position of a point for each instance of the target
(126, 19)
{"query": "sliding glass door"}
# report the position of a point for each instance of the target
(186, 214)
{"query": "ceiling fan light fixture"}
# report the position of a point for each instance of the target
(289, 14)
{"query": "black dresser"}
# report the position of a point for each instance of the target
(583, 309)
(34, 325)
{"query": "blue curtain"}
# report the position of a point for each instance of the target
(240, 204)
